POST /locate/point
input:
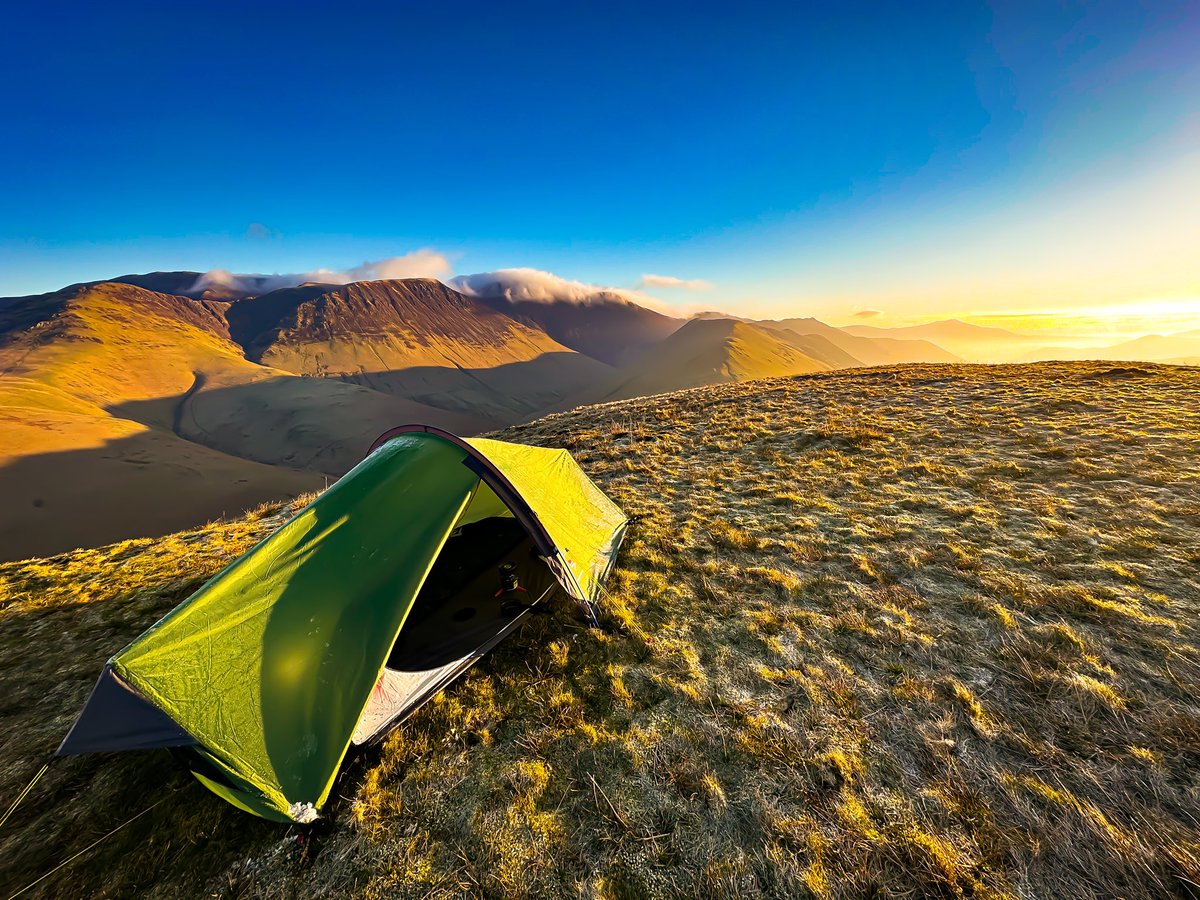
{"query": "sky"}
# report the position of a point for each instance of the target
(1032, 164)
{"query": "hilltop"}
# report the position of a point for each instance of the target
(902, 631)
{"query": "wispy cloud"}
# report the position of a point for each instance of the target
(670, 281)
(260, 232)
(868, 313)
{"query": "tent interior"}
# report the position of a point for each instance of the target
(486, 578)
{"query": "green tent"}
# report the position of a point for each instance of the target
(353, 613)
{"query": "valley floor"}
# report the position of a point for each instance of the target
(911, 631)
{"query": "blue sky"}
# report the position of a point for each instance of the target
(918, 160)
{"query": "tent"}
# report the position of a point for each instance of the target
(352, 614)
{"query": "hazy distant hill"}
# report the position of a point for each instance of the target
(1177, 348)
(711, 351)
(605, 326)
(414, 338)
(976, 343)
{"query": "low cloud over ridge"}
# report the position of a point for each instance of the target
(541, 287)
(515, 285)
(423, 263)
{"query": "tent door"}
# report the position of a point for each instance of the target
(461, 612)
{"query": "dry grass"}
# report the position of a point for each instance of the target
(920, 631)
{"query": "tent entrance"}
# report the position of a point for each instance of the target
(462, 611)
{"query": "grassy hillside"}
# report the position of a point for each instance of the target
(920, 631)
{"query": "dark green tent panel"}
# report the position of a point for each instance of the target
(350, 615)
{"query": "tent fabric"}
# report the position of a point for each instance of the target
(585, 526)
(268, 669)
(575, 519)
(117, 717)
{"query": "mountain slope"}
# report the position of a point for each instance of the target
(710, 351)
(874, 634)
(870, 351)
(415, 338)
(605, 326)
(820, 348)
(109, 394)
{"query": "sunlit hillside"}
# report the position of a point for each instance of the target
(893, 632)
(127, 412)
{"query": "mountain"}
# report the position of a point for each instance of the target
(180, 284)
(711, 351)
(716, 314)
(604, 325)
(869, 351)
(201, 285)
(1176, 348)
(977, 343)
(819, 347)
(128, 412)
(116, 391)
(414, 338)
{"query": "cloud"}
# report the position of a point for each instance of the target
(534, 284)
(670, 281)
(246, 283)
(868, 313)
(259, 231)
(423, 263)
(513, 284)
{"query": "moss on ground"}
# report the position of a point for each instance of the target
(912, 631)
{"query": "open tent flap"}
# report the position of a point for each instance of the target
(585, 526)
(462, 611)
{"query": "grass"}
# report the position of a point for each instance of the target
(913, 631)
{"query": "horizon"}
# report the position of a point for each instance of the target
(1027, 169)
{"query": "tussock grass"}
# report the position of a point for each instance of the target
(913, 631)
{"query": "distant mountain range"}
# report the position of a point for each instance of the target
(974, 343)
(146, 403)
(1181, 349)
